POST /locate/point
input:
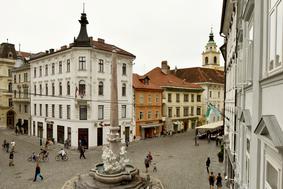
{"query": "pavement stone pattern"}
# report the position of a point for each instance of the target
(180, 164)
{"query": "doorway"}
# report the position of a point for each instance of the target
(10, 119)
(60, 134)
(83, 137)
(99, 136)
(25, 126)
(49, 133)
(40, 129)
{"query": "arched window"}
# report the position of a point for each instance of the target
(100, 88)
(82, 88)
(68, 87)
(206, 60)
(215, 60)
(53, 89)
(46, 89)
(101, 67)
(40, 89)
(124, 69)
(60, 88)
(124, 89)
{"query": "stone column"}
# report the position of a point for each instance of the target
(113, 137)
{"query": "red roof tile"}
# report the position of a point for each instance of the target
(199, 75)
(162, 79)
(138, 83)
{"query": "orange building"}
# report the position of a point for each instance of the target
(148, 107)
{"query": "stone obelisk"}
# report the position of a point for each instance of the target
(113, 138)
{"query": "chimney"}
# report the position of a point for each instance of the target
(63, 47)
(165, 68)
(51, 50)
(100, 40)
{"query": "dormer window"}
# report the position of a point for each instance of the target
(215, 60)
(206, 60)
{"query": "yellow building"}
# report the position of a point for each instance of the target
(8, 57)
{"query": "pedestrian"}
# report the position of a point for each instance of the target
(149, 157)
(219, 181)
(216, 140)
(208, 136)
(82, 152)
(37, 172)
(196, 138)
(13, 144)
(211, 180)
(146, 163)
(40, 141)
(7, 147)
(207, 164)
(11, 157)
(4, 144)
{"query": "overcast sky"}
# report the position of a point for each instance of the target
(153, 30)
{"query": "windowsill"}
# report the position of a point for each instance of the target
(82, 70)
(100, 72)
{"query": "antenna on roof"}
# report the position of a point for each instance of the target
(83, 7)
(211, 29)
(19, 47)
(7, 40)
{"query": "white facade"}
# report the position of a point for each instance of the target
(254, 85)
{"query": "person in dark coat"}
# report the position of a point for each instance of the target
(207, 164)
(211, 180)
(37, 172)
(11, 157)
(82, 152)
(219, 181)
(146, 163)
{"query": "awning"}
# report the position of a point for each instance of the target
(211, 125)
(151, 125)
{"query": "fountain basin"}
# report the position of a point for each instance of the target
(124, 176)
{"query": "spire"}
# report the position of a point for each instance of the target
(83, 39)
(211, 36)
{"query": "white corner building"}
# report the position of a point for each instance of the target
(253, 33)
(71, 90)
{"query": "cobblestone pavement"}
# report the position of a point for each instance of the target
(180, 164)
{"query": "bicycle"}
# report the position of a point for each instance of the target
(60, 157)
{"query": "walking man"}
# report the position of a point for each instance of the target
(207, 164)
(82, 152)
(11, 157)
(211, 180)
(13, 144)
(219, 181)
(146, 163)
(37, 172)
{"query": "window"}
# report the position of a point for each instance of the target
(100, 112)
(46, 89)
(141, 115)
(34, 88)
(46, 70)
(34, 109)
(206, 60)
(124, 89)
(25, 77)
(186, 98)
(141, 98)
(20, 108)
(82, 63)
(177, 111)
(19, 78)
(149, 99)
(198, 110)
(60, 111)
(192, 110)
(215, 60)
(10, 102)
(157, 114)
(15, 79)
(53, 68)
(60, 67)
(46, 110)
(275, 34)
(169, 97)
(177, 97)
(34, 72)
(210, 94)
(124, 69)
(100, 88)
(68, 88)
(124, 111)
(186, 111)
(198, 98)
(170, 112)
(26, 108)
(192, 97)
(68, 111)
(68, 65)
(40, 90)
(40, 109)
(101, 66)
(218, 94)
(40, 71)
(10, 87)
(271, 176)
(53, 89)
(149, 115)
(60, 88)
(9, 73)
(157, 99)
(26, 92)
(15, 94)
(53, 110)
